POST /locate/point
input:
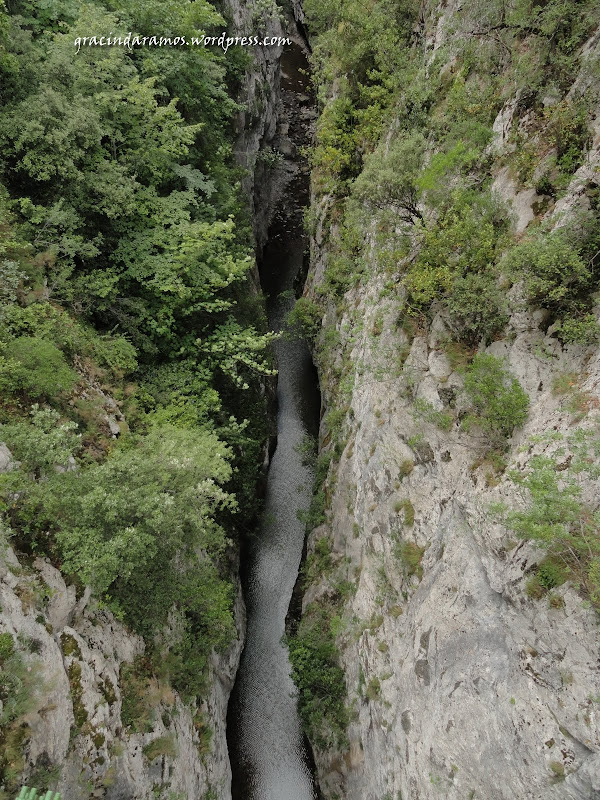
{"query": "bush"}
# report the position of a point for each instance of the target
(306, 316)
(553, 272)
(319, 562)
(163, 746)
(141, 530)
(20, 692)
(319, 678)
(569, 132)
(7, 646)
(410, 554)
(558, 520)
(409, 511)
(442, 419)
(499, 400)
(42, 444)
(35, 367)
(551, 574)
(584, 331)
(406, 467)
(389, 178)
(479, 306)
(464, 240)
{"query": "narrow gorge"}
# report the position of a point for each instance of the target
(300, 401)
(267, 747)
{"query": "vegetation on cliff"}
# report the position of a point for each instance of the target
(126, 309)
(406, 170)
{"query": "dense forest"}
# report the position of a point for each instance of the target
(132, 341)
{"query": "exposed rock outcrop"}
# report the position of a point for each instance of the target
(460, 685)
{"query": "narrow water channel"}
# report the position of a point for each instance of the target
(267, 748)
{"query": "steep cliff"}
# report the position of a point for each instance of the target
(444, 565)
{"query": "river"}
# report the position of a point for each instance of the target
(269, 757)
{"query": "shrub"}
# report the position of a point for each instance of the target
(442, 419)
(7, 646)
(534, 589)
(319, 562)
(141, 530)
(584, 330)
(410, 554)
(553, 272)
(406, 467)
(163, 746)
(569, 132)
(373, 690)
(389, 178)
(479, 306)
(20, 692)
(499, 400)
(464, 240)
(409, 512)
(136, 711)
(319, 678)
(315, 515)
(35, 367)
(551, 574)
(560, 522)
(306, 316)
(44, 443)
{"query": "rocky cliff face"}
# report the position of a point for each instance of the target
(461, 683)
(114, 735)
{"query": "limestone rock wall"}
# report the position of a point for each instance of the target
(78, 653)
(460, 685)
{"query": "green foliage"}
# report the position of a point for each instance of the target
(410, 555)
(34, 367)
(44, 443)
(164, 746)
(558, 520)
(20, 694)
(7, 646)
(583, 330)
(553, 272)
(125, 256)
(478, 307)
(500, 403)
(136, 707)
(443, 419)
(112, 519)
(306, 316)
(568, 129)
(389, 179)
(133, 528)
(315, 515)
(406, 467)
(551, 574)
(409, 512)
(333, 159)
(373, 689)
(319, 561)
(319, 678)
(464, 240)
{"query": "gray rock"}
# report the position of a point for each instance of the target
(6, 460)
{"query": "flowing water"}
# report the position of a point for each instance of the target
(267, 747)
